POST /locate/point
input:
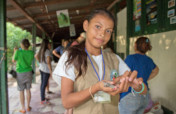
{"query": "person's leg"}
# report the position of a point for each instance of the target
(28, 87)
(22, 100)
(47, 87)
(144, 102)
(28, 93)
(129, 104)
(41, 87)
(45, 78)
(21, 87)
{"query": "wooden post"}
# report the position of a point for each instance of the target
(3, 60)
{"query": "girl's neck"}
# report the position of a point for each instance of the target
(138, 52)
(24, 48)
(93, 51)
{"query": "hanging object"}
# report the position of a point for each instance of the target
(63, 18)
(72, 30)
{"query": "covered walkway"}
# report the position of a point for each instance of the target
(55, 99)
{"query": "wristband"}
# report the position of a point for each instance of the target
(141, 89)
(90, 89)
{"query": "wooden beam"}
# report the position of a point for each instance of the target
(72, 11)
(49, 2)
(18, 19)
(112, 4)
(9, 20)
(21, 9)
(10, 8)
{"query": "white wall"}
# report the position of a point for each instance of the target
(121, 32)
(163, 87)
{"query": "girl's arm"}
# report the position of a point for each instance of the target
(71, 99)
(13, 57)
(154, 73)
(134, 82)
(48, 60)
(56, 54)
(36, 57)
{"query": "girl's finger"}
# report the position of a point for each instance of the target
(133, 75)
(121, 86)
(126, 74)
(126, 85)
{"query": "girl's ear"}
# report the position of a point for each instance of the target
(85, 25)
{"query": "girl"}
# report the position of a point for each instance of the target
(146, 69)
(24, 58)
(44, 58)
(85, 67)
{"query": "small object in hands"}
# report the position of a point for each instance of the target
(106, 84)
(114, 74)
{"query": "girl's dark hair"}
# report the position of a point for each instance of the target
(101, 11)
(43, 48)
(143, 45)
(76, 54)
(25, 43)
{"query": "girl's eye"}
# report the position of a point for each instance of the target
(97, 26)
(109, 31)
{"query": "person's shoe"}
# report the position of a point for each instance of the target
(22, 111)
(29, 109)
(45, 102)
(50, 92)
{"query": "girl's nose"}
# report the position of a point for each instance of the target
(102, 33)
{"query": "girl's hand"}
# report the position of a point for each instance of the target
(101, 86)
(136, 83)
(15, 49)
(120, 84)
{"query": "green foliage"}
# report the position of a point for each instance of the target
(14, 37)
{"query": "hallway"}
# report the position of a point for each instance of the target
(55, 99)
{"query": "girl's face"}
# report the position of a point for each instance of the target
(98, 30)
(49, 45)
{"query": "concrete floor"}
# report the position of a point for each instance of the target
(55, 99)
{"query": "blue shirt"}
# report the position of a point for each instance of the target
(60, 50)
(142, 64)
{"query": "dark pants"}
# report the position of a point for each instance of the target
(44, 82)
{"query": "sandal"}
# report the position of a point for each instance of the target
(29, 109)
(22, 111)
(45, 102)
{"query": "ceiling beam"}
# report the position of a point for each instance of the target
(19, 18)
(85, 9)
(49, 2)
(10, 8)
(112, 4)
(20, 8)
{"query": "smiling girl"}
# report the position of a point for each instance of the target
(85, 67)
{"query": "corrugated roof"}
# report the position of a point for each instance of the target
(24, 13)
